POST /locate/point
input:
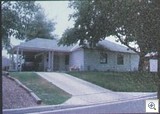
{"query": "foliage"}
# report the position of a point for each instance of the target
(15, 16)
(23, 20)
(131, 21)
(40, 27)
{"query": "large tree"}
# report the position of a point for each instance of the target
(40, 26)
(23, 20)
(15, 17)
(131, 21)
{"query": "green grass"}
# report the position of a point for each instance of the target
(49, 93)
(118, 81)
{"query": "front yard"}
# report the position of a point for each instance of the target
(49, 93)
(121, 81)
(116, 81)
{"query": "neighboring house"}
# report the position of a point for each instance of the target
(153, 63)
(152, 59)
(5, 63)
(46, 55)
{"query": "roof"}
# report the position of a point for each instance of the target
(43, 44)
(115, 47)
(48, 44)
(152, 55)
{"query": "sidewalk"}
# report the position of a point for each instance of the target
(86, 93)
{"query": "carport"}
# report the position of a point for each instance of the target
(37, 55)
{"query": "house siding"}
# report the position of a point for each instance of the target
(127, 62)
(77, 59)
(92, 61)
(134, 62)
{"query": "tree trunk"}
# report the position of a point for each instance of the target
(141, 62)
(158, 93)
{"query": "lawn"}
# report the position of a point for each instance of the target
(118, 81)
(49, 93)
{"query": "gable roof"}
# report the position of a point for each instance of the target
(48, 44)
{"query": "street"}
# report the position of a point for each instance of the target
(134, 106)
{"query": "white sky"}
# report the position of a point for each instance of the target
(59, 12)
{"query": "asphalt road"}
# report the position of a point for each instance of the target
(135, 106)
(127, 107)
(132, 106)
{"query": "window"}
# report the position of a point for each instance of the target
(67, 60)
(120, 59)
(103, 58)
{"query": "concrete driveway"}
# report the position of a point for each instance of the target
(86, 93)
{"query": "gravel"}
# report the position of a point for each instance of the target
(14, 96)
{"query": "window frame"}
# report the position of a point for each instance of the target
(103, 58)
(120, 59)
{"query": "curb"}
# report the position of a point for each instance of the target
(36, 98)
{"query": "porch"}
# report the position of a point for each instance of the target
(39, 60)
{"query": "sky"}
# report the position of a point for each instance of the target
(59, 12)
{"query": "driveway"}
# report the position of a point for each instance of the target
(86, 93)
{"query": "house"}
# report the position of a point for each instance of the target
(46, 55)
(152, 59)
(5, 63)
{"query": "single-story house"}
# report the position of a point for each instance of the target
(46, 55)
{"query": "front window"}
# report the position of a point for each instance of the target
(120, 59)
(103, 58)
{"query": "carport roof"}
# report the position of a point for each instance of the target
(43, 44)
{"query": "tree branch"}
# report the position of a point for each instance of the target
(133, 49)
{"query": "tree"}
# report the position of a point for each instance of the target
(40, 27)
(130, 21)
(139, 24)
(88, 23)
(24, 20)
(15, 17)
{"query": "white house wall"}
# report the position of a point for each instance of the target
(127, 63)
(92, 61)
(87, 59)
(134, 62)
(77, 59)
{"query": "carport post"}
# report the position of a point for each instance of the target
(52, 59)
(10, 61)
(21, 56)
(17, 53)
(49, 61)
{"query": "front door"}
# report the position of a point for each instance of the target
(56, 62)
